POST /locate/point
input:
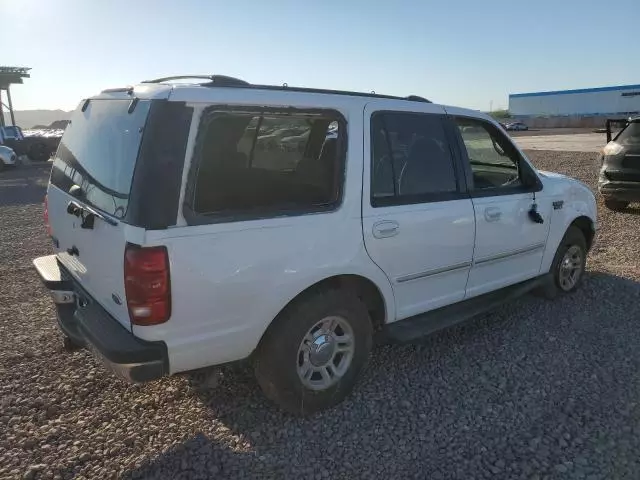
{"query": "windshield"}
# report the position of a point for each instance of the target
(98, 153)
(11, 132)
(630, 135)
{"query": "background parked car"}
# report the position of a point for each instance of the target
(37, 146)
(619, 179)
(7, 157)
(516, 126)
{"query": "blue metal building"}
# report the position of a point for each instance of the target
(617, 101)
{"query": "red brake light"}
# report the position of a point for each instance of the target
(147, 284)
(46, 215)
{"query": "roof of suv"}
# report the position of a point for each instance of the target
(159, 87)
(163, 87)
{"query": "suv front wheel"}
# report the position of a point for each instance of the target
(312, 355)
(570, 261)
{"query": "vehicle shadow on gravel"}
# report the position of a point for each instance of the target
(24, 185)
(533, 387)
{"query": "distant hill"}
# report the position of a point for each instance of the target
(30, 118)
(56, 125)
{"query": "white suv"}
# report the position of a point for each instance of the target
(200, 224)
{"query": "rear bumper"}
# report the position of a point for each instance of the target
(86, 322)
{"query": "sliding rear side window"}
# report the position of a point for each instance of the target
(260, 163)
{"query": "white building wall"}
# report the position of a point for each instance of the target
(598, 101)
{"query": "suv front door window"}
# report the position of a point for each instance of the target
(493, 163)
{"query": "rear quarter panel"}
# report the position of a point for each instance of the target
(228, 286)
(230, 280)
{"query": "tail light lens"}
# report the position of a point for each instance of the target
(45, 215)
(147, 284)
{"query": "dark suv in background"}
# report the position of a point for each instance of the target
(619, 181)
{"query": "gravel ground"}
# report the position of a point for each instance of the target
(536, 389)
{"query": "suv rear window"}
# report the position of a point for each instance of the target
(98, 153)
(267, 162)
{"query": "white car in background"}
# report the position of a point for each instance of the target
(516, 127)
(8, 157)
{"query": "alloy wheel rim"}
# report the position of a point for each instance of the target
(570, 268)
(325, 353)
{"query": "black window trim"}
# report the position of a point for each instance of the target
(197, 218)
(458, 171)
(523, 166)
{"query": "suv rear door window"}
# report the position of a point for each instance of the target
(411, 159)
(267, 163)
(98, 153)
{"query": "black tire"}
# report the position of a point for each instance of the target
(277, 356)
(38, 152)
(615, 205)
(573, 239)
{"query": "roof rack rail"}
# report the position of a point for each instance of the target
(214, 80)
(226, 81)
(286, 87)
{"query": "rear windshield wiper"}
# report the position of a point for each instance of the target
(87, 214)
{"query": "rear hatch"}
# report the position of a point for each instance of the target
(88, 195)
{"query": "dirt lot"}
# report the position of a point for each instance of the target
(574, 142)
(553, 132)
(534, 390)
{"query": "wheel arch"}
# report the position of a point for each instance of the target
(579, 219)
(587, 227)
(366, 289)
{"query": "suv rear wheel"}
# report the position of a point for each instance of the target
(615, 205)
(311, 357)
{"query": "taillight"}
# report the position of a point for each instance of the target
(147, 284)
(46, 215)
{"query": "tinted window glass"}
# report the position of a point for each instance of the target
(98, 153)
(411, 158)
(630, 135)
(494, 161)
(264, 162)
